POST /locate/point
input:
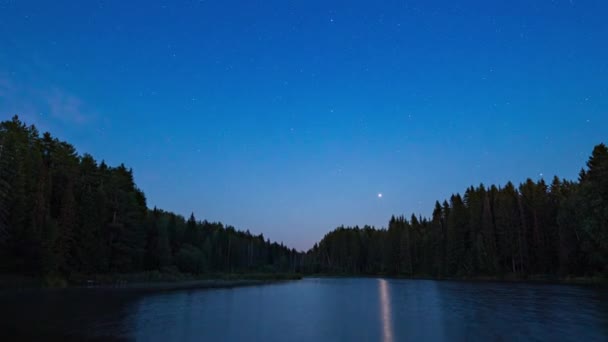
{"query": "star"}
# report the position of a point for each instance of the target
(380, 195)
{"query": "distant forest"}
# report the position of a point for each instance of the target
(558, 229)
(64, 214)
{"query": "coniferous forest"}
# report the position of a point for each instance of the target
(558, 229)
(63, 213)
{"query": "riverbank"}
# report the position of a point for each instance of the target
(147, 281)
(536, 279)
(183, 285)
(155, 281)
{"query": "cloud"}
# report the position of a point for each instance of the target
(66, 107)
(39, 102)
(29, 87)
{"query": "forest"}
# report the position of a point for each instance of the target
(62, 213)
(558, 229)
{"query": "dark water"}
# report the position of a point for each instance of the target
(315, 310)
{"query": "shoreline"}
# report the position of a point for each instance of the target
(586, 281)
(143, 282)
(151, 283)
(153, 287)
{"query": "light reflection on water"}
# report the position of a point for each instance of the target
(385, 309)
(326, 309)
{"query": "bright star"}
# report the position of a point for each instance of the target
(379, 195)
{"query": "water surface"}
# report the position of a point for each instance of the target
(328, 309)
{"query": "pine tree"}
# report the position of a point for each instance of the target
(594, 209)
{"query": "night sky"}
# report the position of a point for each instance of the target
(289, 118)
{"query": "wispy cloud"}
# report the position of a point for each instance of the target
(66, 107)
(29, 87)
(39, 102)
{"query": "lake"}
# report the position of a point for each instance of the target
(326, 309)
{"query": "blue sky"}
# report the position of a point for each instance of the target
(289, 117)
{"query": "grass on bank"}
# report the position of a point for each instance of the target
(158, 276)
(149, 277)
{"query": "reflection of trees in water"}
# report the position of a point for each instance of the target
(72, 315)
(319, 310)
(414, 310)
(522, 311)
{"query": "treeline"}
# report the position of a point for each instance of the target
(64, 214)
(558, 229)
